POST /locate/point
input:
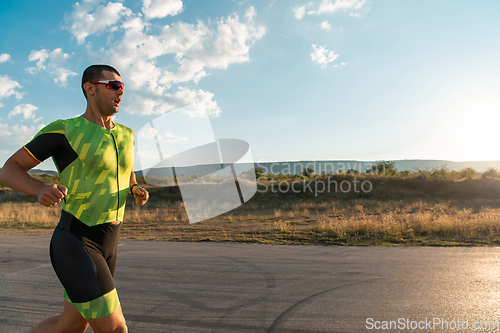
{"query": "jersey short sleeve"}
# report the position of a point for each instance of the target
(50, 141)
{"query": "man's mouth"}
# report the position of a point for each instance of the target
(117, 101)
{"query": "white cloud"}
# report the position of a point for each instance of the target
(300, 12)
(84, 23)
(199, 99)
(41, 56)
(330, 7)
(161, 8)
(4, 57)
(62, 75)
(14, 137)
(151, 133)
(147, 132)
(52, 62)
(322, 56)
(327, 6)
(139, 48)
(154, 104)
(325, 26)
(27, 110)
(9, 87)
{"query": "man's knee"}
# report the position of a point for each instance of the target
(112, 323)
(122, 328)
(77, 328)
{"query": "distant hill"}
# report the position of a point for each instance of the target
(41, 172)
(413, 165)
(294, 167)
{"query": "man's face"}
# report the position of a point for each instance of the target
(108, 99)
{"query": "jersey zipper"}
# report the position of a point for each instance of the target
(117, 175)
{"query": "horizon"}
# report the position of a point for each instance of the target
(298, 80)
(481, 166)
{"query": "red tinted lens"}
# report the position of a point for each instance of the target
(116, 85)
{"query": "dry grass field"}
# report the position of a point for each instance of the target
(396, 211)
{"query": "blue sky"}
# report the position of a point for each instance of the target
(297, 80)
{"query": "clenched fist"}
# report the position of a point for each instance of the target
(140, 194)
(51, 195)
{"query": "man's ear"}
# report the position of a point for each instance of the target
(89, 88)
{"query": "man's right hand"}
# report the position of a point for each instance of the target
(51, 195)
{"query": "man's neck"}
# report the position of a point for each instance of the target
(97, 118)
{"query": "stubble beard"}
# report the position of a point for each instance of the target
(106, 108)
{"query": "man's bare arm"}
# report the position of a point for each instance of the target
(14, 174)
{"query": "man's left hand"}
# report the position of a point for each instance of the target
(140, 194)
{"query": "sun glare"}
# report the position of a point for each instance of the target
(467, 125)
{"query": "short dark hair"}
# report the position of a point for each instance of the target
(94, 73)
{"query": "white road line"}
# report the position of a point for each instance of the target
(27, 270)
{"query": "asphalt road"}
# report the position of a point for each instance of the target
(206, 287)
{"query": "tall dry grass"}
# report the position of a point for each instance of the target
(401, 221)
(26, 214)
(397, 211)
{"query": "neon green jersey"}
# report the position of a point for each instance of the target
(94, 163)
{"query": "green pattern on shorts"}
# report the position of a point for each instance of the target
(99, 307)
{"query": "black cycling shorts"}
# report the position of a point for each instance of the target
(84, 259)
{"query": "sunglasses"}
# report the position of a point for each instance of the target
(112, 84)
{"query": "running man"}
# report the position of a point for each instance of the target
(94, 157)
